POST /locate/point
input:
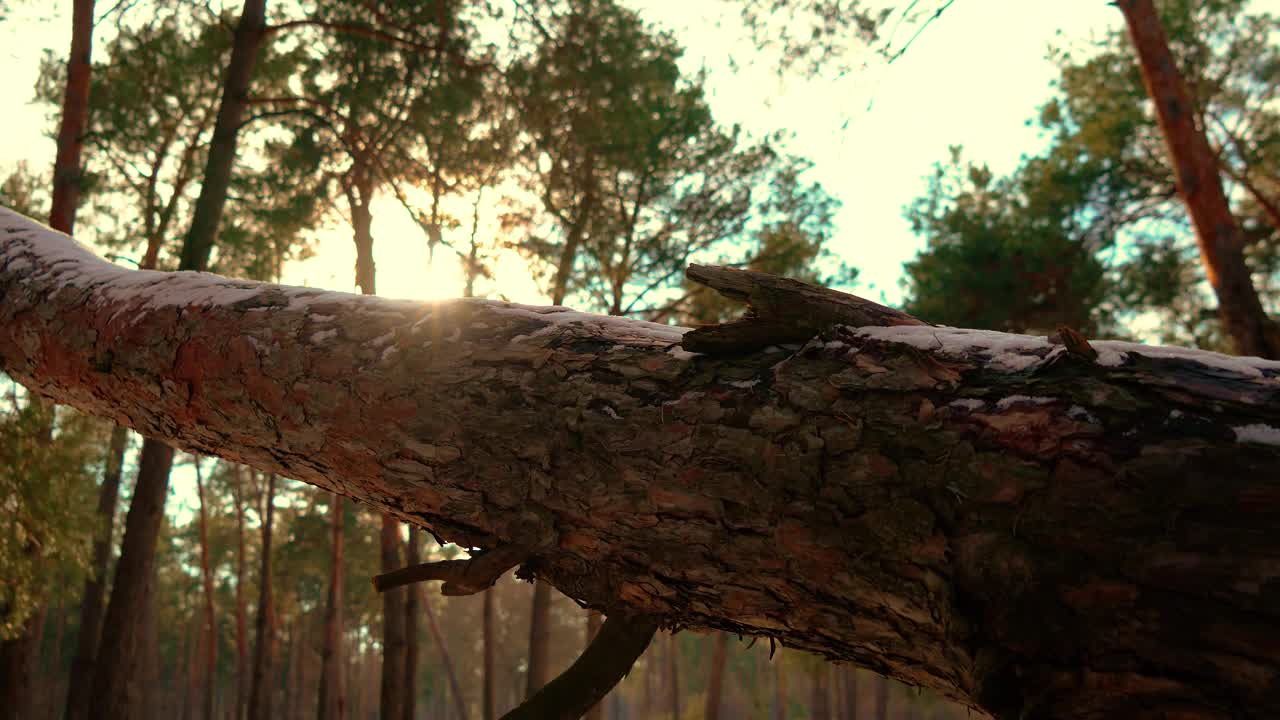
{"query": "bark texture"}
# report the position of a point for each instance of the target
(67, 169)
(1012, 524)
(1195, 169)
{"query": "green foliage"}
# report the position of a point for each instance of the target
(49, 459)
(633, 174)
(1091, 233)
(24, 192)
(1014, 254)
(155, 92)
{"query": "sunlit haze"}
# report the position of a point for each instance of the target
(972, 78)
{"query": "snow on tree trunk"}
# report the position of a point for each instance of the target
(1024, 526)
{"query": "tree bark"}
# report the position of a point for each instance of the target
(411, 608)
(1195, 169)
(332, 702)
(210, 616)
(715, 681)
(1015, 525)
(78, 698)
(67, 170)
(264, 625)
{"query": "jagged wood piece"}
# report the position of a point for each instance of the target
(610, 656)
(462, 577)
(779, 310)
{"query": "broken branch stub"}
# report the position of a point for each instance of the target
(610, 656)
(779, 310)
(461, 577)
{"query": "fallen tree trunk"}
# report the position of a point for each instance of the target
(1034, 529)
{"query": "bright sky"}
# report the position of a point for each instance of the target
(972, 78)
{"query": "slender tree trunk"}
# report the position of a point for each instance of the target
(115, 686)
(673, 674)
(820, 703)
(850, 692)
(17, 668)
(459, 703)
(490, 712)
(1195, 168)
(222, 147)
(411, 631)
(242, 633)
(539, 638)
(882, 698)
(210, 619)
(650, 670)
(393, 644)
(67, 171)
(332, 701)
(593, 626)
(715, 681)
(51, 665)
(264, 626)
(191, 676)
(780, 697)
(95, 584)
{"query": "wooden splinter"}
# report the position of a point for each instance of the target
(779, 310)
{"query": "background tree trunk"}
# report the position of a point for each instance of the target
(780, 698)
(593, 626)
(96, 583)
(67, 169)
(850, 692)
(210, 616)
(673, 675)
(332, 702)
(488, 691)
(411, 631)
(264, 626)
(1195, 168)
(539, 638)
(242, 630)
(820, 701)
(715, 679)
(455, 689)
(393, 644)
(882, 698)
